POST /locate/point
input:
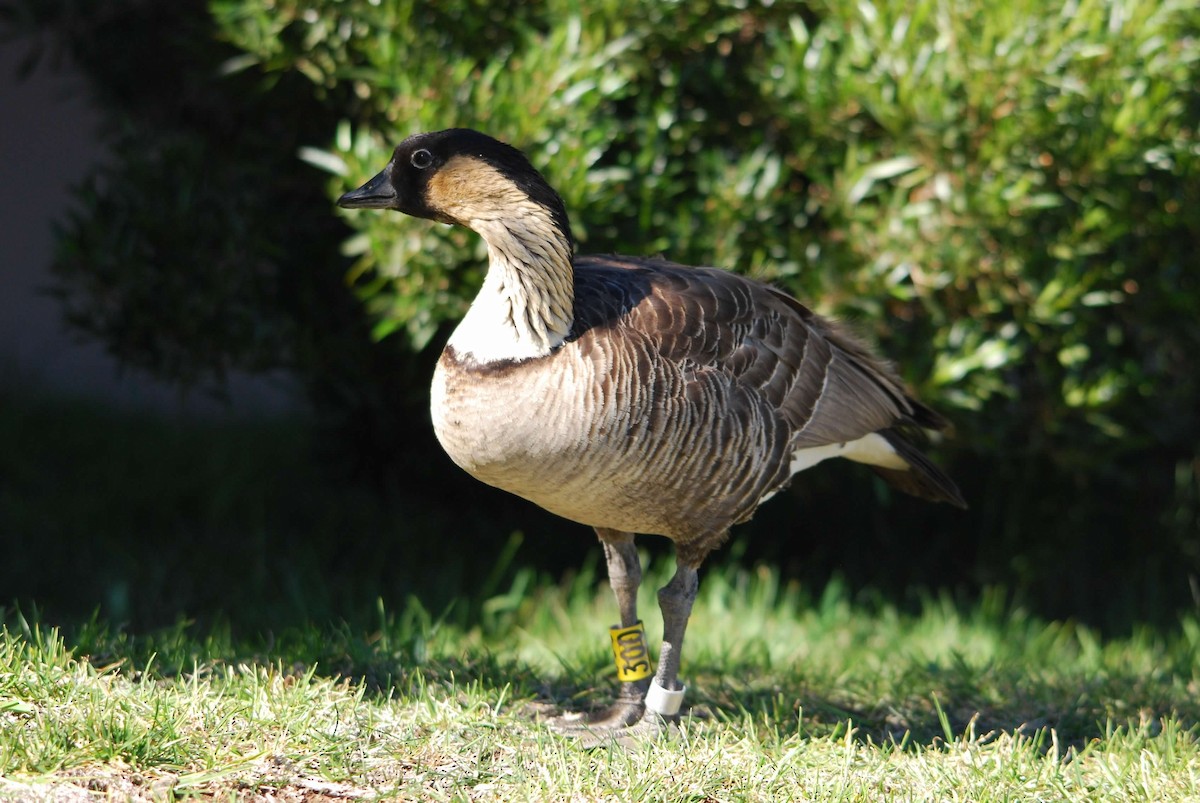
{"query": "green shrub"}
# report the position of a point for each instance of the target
(1003, 195)
(994, 172)
(201, 245)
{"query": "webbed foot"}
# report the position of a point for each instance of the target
(626, 723)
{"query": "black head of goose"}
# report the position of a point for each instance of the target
(635, 395)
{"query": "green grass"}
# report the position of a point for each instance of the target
(826, 698)
(840, 695)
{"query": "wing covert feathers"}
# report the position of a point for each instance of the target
(823, 383)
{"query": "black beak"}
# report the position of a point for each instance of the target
(378, 193)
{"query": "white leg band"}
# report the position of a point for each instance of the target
(662, 701)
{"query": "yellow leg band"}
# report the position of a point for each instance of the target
(630, 653)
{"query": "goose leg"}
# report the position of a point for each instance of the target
(675, 599)
(661, 702)
(625, 576)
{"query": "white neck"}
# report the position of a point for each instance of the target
(525, 307)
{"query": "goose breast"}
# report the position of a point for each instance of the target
(639, 422)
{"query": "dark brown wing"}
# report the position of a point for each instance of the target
(822, 381)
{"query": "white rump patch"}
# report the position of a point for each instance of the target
(872, 449)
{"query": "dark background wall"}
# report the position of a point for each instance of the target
(49, 139)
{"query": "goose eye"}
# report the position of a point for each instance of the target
(421, 159)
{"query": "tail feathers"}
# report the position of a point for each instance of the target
(922, 479)
(928, 418)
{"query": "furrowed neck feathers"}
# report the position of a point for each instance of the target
(525, 307)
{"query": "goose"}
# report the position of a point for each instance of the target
(636, 395)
